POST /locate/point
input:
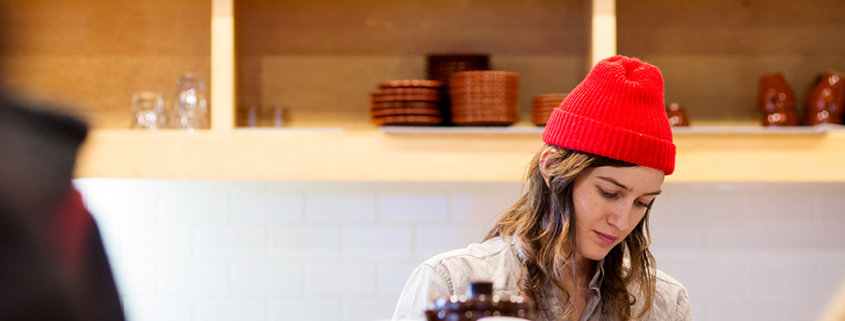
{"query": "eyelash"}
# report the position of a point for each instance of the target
(609, 195)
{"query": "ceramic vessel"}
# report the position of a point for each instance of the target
(825, 100)
(776, 101)
(677, 115)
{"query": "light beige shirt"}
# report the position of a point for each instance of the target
(495, 260)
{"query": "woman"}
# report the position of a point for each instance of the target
(576, 242)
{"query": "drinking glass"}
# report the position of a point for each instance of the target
(248, 116)
(190, 106)
(273, 116)
(148, 111)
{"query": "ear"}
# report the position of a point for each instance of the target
(544, 157)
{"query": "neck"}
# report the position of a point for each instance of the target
(584, 271)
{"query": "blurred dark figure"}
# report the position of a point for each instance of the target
(52, 262)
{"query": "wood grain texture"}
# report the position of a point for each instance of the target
(383, 27)
(713, 53)
(91, 56)
(99, 88)
(321, 59)
(332, 90)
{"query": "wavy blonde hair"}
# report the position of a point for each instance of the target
(542, 221)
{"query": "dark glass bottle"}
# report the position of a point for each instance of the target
(479, 302)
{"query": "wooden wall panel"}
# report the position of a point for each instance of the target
(91, 56)
(712, 53)
(321, 59)
(410, 27)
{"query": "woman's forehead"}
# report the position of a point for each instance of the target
(635, 178)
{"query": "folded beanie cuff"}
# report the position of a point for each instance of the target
(571, 131)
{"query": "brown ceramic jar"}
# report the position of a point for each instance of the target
(824, 102)
(677, 115)
(479, 302)
(776, 101)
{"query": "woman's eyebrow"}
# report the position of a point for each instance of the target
(617, 183)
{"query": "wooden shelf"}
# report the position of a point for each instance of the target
(331, 154)
(710, 130)
(326, 84)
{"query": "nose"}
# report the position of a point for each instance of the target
(620, 214)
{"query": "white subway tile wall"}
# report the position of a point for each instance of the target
(340, 203)
(230, 242)
(228, 310)
(159, 308)
(196, 279)
(137, 278)
(264, 279)
(254, 202)
(333, 278)
(392, 277)
(430, 240)
(310, 309)
(218, 250)
(307, 241)
(375, 241)
(413, 203)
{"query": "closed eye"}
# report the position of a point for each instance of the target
(645, 204)
(607, 194)
(615, 195)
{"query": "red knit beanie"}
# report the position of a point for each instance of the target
(616, 112)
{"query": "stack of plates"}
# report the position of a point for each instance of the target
(407, 103)
(484, 98)
(543, 105)
(441, 66)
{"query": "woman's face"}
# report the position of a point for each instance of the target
(609, 202)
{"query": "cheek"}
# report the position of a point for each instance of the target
(635, 220)
(585, 207)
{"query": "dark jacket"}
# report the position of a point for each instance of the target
(52, 262)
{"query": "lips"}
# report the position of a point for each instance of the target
(605, 238)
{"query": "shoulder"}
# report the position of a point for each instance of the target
(671, 301)
(490, 260)
(492, 250)
(668, 284)
(446, 274)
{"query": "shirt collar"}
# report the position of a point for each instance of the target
(598, 277)
(595, 282)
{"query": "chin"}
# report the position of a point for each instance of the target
(596, 254)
